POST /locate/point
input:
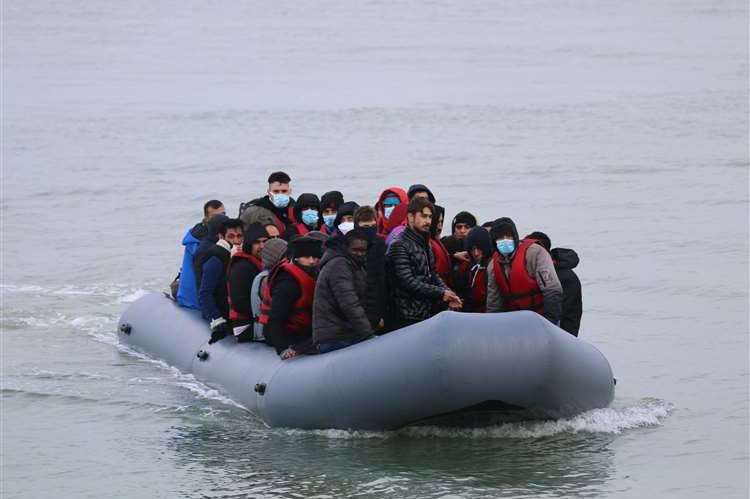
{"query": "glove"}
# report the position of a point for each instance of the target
(219, 329)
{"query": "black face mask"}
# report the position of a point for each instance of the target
(359, 260)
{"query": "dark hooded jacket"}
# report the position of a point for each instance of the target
(376, 298)
(242, 272)
(340, 293)
(471, 277)
(304, 201)
(414, 285)
(572, 305)
(413, 189)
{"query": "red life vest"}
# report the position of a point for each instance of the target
(301, 316)
(301, 228)
(442, 261)
(280, 223)
(477, 279)
(519, 290)
(234, 314)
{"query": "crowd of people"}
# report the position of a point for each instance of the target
(313, 275)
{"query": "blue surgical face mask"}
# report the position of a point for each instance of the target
(280, 200)
(329, 219)
(505, 246)
(388, 210)
(310, 217)
(345, 227)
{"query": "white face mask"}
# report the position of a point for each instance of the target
(345, 227)
(388, 210)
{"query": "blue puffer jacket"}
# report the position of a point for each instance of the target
(187, 293)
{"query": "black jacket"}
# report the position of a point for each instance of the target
(212, 288)
(376, 296)
(285, 292)
(241, 276)
(414, 285)
(572, 304)
(338, 310)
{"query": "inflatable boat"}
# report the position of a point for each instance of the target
(455, 369)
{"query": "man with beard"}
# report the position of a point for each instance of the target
(286, 307)
(416, 288)
(275, 208)
(339, 317)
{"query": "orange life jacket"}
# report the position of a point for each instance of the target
(519, 290)
(234, 314)
(302, 229)
(301, 316)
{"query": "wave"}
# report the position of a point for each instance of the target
(647, 413)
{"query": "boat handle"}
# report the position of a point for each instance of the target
(125, 328)
(202, 355)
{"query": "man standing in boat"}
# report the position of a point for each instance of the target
(275, 208)
(521, 275)
(415, 285)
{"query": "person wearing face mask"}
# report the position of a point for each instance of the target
(471, 276)
(415, 287)
(521, 275)
(307, 214)
(212, 272)
(286, 306)
(387, 202)
(344, 219)
(339, 317)
(244, 265)
(329, 205)
(275, 208)
(376, 293)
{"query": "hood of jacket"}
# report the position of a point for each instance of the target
(190, 237)
(307, 200)
(565, 258)
(413, 189)
(498, 227)
(397, 191)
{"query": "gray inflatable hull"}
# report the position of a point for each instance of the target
(453, 369)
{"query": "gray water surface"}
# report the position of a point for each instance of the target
(619, 128)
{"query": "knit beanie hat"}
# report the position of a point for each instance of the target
(463, 217)
(272, 253)
(253, 232)
(317, 235)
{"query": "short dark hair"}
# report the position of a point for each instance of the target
(232, 223)
(542, 238)
(364, 214)
(214, 204)
(279, 177)
(416, 205)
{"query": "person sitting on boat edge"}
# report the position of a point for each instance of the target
(273, 252)
(307, 214)
(245, 264)
(376, 295)
(471, 277)
(286, 308)
(339, 317)
(213, 293)
(414, 284)
(521, 275)
(565, 261)
(183, 288)
(275, 208)
(329, 207)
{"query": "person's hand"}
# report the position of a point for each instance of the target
(288, 353)
(449, 296)
(462, 256)
(219, 330)
(455, 305)
(380, 326)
